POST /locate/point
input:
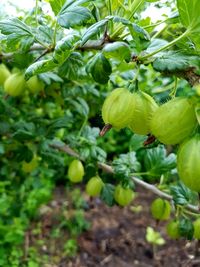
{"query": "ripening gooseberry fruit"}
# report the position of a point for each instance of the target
(160, 209)
(4, 73)
(144, 107)
(174, 121)
(196, 225)
(118, 108)
(35, 85)
(172, 229)
(123, 196)
(188, 162)
(94, 186)
(15, 84)
(30, 166)
(76, 171)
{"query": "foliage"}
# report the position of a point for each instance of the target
(79, 52)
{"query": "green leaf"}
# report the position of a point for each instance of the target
(118, 50)
(100, 69)
(22, 135)
(15, 26)
(81, 106)
(107, 194)
(155, 45)
(172, 61)
(24, 131)
(40, 67)
(186, 228)
(56, 5)
(137, 142)
(57, 124)
(125, 165)
(98, 154)
(182, 195)
(154, 237)
(16, 31)
(156, 161)
(72, 14)
(93, 30)
(91, 134)
(189, 14)
(23, 153)
(64, 48)
(50, 77)
(136, 29)
(71, 66)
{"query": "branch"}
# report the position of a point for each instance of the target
(136, 180)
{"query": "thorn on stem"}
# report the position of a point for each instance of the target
(150, 139)
(105, 129)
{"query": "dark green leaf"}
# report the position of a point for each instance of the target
(93, 30)
(186, 228)
(90, 134)
(40, 67)
(72, 15)
(71, 66)
(48, 77)
(17, 31)
(118, 50)
(181, 194)
(136, 29)
(15, 26)
(23, 153)
(156, 162)
(125, 165)
(155, 45)
(107, 194)
(100, 69)
(172, 61)
(64, 48)
(98, 154)
(23, 135)
(81, 106)
(137, 141)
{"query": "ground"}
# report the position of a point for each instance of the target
(116, 237)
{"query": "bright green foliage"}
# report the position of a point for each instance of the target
(71, 61)
(154, 237)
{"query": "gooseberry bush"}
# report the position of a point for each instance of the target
(93, 92)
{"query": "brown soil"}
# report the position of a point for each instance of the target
(116, 238)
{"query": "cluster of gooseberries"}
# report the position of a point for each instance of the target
(14, 83)
(172, 123)
(123, 196)
(161, 211)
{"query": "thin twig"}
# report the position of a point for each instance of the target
(136, 180)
